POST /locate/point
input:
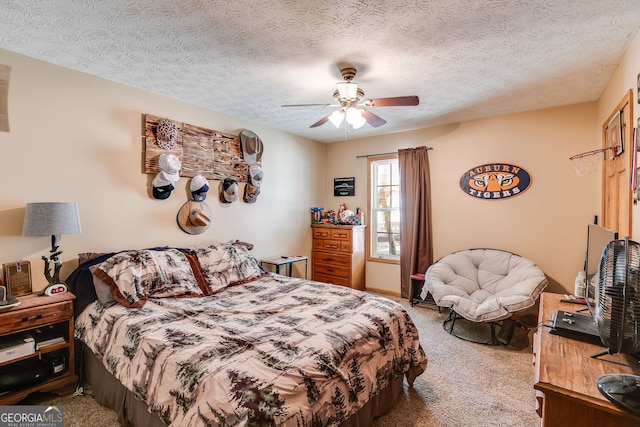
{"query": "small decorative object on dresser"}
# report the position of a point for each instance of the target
(338, 254)
(17, 275)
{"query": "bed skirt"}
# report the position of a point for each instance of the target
(109, 392)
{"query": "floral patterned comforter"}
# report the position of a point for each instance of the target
(274, 351)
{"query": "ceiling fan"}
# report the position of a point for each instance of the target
(352, 108)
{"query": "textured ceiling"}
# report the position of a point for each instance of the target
(465, 59)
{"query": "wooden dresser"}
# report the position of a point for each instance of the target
(338, 255)
(566, 377)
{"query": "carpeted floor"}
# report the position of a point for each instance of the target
(464, 385)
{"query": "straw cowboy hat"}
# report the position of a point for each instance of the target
(194, 217)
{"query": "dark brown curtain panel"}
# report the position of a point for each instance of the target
(416, 253)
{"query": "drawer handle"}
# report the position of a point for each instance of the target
(329, 259)
(36, 317)
(332, 246)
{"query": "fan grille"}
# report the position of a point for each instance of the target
(618, 304)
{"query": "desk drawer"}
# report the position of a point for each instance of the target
(15, 321)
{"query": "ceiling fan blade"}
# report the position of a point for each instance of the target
(397, 101)
(320, 122)
(307, 105)
(373, 119)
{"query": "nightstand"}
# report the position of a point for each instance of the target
(37, 312)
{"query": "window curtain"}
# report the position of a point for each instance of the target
(416, 253)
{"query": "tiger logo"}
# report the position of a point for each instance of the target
(495, 181)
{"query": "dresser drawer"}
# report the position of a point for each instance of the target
(333, 259)
(18, 320)
(333, 245)
(321, 233)
(334, 270)
(334, 280)
(341, 234)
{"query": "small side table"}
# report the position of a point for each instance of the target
(417, 282)
(277, 261)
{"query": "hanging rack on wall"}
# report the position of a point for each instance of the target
(383, 154)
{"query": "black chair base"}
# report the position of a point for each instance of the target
(450, 322)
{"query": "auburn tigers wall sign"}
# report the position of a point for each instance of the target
(495, 181)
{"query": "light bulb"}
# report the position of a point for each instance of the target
(336, 118)
(354, 117)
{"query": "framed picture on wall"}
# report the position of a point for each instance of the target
(344, 186)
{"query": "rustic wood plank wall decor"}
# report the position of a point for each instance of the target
(213, 154)
(5, 72)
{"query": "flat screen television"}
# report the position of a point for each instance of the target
(579, 326)
(597, 239)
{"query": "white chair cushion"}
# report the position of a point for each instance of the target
(484, 285)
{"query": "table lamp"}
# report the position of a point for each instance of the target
(52, 219)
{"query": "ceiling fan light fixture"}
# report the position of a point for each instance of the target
(354, 117)
(336, 118)
(347, 90)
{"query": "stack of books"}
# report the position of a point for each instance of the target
(47, 335)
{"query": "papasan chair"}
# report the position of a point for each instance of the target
(483, 285)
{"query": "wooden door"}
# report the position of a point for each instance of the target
(616, 170)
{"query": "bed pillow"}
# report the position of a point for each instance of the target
(134, 276)
(103, 290)
(225, 264)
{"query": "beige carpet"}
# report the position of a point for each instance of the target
(465, 385)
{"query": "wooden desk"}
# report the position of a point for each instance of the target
(566, 377)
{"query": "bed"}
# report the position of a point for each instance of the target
(204, 336)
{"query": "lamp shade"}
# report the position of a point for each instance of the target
(51, 219)
(347, 90)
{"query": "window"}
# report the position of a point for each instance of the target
(384, 190)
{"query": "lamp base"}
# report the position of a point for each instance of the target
(54, 289)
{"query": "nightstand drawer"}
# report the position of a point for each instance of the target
(18, 320)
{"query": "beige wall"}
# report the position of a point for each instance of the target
(75, 137)
(625, 78)
(547, 223)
